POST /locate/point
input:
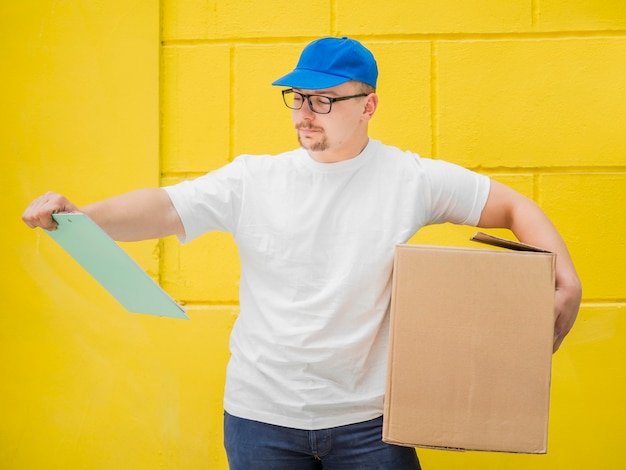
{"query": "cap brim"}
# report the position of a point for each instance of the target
(310, 80)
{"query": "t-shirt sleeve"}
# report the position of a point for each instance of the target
(455, 194)
(211, 202)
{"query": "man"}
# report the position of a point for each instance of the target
(316, 229)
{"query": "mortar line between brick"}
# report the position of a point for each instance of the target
(434, 101)
(333, 18)
(593, 302)
(499, 170)
(205, 304)
(565, 169)
(536, 186)
(498, 36)
(231, 106)
(603, 303)
(534, 12)
(161, 166)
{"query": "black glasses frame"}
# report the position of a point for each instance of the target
(308, 99)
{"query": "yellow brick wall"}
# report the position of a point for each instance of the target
(530, 92)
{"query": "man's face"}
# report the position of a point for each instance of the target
(335, 130)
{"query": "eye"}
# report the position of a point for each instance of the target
(321, 100)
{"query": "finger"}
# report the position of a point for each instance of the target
(40, 212)
(47, 222)
(41, 219)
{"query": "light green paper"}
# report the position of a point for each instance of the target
(112, 267)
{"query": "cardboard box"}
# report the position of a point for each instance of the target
(471, 348)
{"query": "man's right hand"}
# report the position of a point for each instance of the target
(39, 212)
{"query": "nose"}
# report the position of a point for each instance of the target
(305, 111)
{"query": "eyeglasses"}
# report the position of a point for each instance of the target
(317, 103)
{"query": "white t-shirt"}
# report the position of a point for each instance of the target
(316, 242)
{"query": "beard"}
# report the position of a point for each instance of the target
(312, 145)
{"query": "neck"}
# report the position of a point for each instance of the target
(329, 155)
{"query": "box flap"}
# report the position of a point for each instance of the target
(492, 240)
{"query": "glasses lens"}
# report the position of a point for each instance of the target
(292, 99)
(295, 100)
(321, 104)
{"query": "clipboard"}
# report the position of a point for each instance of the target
(112, 267)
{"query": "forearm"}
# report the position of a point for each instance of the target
(137, 215)
(533, 227)
(506, 208)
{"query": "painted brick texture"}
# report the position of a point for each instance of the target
(531, 93)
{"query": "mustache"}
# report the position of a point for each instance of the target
(307, 125)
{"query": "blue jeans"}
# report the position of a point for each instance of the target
(252, 445)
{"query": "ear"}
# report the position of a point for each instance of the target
(371, 104)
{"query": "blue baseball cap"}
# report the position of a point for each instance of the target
(328, 62)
